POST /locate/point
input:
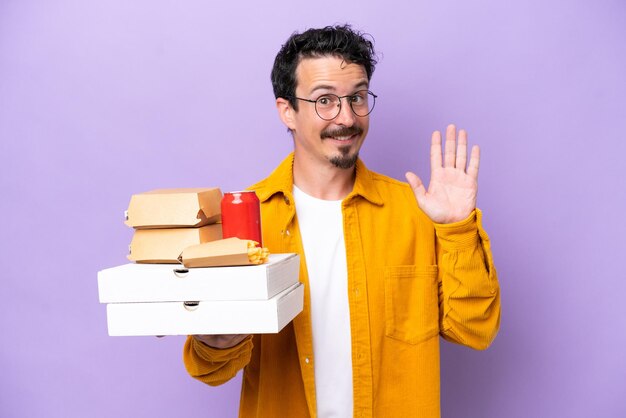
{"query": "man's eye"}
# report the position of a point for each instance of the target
(357, 99)
(324, 100)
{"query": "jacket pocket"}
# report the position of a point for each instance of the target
(411, 303)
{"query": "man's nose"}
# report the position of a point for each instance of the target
(346, 116)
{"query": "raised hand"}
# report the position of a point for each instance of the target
(451, 194)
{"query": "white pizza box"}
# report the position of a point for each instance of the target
(175, 283)
(206, 317)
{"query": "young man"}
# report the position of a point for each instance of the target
(387, 267)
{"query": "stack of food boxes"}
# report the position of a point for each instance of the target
(157, 295)
(167, 221)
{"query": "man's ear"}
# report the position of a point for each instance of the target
(286, 113)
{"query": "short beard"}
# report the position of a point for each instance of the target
(344, 160)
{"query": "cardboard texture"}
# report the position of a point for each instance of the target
(165, 245)
(225, 252)
(206, 317)
(174, 208)
(173, 282)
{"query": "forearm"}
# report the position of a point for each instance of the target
(468, 286)
(215, 366)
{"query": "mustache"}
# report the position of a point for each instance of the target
(343, 131)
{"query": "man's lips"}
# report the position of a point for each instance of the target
(341, 138)
(342, 134)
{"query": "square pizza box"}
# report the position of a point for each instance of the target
(206, 317)
(165, 245)
(174, 208)
(175, 283)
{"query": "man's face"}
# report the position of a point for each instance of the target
(335, 142)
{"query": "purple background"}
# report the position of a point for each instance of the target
(100, 100)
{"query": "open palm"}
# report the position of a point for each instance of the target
(451, 194)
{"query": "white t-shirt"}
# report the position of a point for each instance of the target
(321, 227)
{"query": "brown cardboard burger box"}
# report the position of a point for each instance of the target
(174, 208)
(165, 245)
(170, 299)
(224, 252)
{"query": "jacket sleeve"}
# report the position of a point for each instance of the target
(215, 366)
(469, 294)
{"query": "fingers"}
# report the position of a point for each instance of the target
(435, 150)
(455, 155)
(416, 184)
(474, 162)
(450, 153)
(461, 152)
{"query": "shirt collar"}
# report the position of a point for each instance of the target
(281, 181)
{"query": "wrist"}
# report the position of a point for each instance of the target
(460, 234)
(220, 342)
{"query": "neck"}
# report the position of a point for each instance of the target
(327, 183)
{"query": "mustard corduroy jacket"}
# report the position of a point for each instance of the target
(409, 281)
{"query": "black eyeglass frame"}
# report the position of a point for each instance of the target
(339, 97)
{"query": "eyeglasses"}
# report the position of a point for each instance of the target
(328, 106)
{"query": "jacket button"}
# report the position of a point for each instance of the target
(286, 200)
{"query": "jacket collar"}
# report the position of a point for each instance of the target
(281, 181)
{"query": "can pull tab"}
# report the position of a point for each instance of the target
(191, 305)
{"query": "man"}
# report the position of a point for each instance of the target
(387, 267)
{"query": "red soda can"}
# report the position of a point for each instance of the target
(241, 216)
